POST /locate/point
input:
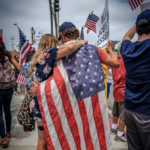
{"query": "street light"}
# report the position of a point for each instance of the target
(32, 34)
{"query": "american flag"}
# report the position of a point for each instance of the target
(20, 79)
(24, 48)
(135, 3)
(73, 103)
(82, 34)
(91, 23)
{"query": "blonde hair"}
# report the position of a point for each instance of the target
(47, 41)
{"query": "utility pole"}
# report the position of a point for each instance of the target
(51, 15)
(56, 29)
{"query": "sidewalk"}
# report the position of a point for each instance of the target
(28, 140)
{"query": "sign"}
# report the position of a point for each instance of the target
(145, 6)
(37, 38)
(103, 28)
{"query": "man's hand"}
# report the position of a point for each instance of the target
(33, 89)
(83, 42)
(109, 46)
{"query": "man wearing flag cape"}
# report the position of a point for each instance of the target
(72, 101)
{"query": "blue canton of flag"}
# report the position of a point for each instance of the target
(22, 38)
(85, 72)
(91, 23)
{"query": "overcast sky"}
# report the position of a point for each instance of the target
(28, 13)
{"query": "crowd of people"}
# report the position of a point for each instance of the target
(130, 72)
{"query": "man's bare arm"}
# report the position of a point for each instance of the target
(130, 34)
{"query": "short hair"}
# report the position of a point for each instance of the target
(145, 27)
(29, 55)
(71, 33)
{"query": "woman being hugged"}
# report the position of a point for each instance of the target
(7, 83)
(42, 68)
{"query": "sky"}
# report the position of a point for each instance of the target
(28, 13)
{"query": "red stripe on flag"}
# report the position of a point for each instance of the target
(131, 4)
(88, 30)
(91, 22)
(26, 46)
(88, 26)
(55, 117)
(49, 143)
(86, 130)
(136, 3)
(99, 122)
(67, 107)
(23, 59)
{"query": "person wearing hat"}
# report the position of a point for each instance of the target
(69, 33)
(136, 56)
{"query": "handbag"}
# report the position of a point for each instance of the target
(24, 116)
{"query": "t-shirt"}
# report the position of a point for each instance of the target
(25, 71)
(102, 55)
(119, 78)
(136, 58)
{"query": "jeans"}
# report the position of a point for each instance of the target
(5, 102)
(16, 75)
(108, 89)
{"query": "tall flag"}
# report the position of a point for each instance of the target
(135, 3)
(24, 48)
(82, 34)
(91, 23)
(73, 103)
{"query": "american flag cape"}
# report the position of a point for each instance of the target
(135, 3)
(91, 23)
(73, 104)
(24, 48)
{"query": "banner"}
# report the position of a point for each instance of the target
(37, 38)
(103, 28)
(145, 6)
(103, 38)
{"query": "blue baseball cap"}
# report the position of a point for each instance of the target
(65, 26)
(145, 15)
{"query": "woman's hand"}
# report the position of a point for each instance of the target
(110, 46)
(33, 89)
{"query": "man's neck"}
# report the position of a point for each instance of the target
(143, 37)
(68, 40)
